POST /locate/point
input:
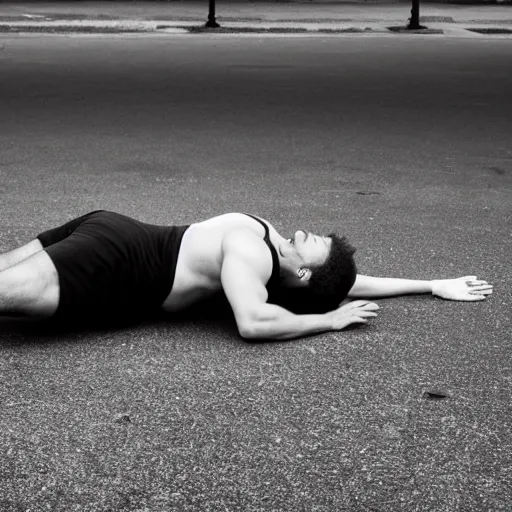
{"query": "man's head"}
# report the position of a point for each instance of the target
(317, 271)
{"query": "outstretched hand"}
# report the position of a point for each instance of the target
(467, 288)
(356, 311)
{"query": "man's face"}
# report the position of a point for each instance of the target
(313, 250)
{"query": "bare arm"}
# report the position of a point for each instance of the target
(367, 286)
(467, 288)
(245, 269)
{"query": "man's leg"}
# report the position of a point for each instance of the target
(30, 288)
(11, 258)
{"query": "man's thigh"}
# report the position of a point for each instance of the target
(30, 288)
(11, 258)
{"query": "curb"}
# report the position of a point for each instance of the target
(282, 30)
(195, 27)
(421, 30)
(186, 29)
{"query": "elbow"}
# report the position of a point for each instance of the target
(248, 324)
(248, 331)
(256, 325)
(250, 328)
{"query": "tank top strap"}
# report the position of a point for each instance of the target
(274, 277)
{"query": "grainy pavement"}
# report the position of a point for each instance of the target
(413, 164)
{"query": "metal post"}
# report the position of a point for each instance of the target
(414, 20)
(211, 23)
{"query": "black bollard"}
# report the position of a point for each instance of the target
(414, 20)
(211, 23)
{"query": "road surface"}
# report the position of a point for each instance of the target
(402, 144)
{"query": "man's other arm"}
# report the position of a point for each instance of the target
(467, 288)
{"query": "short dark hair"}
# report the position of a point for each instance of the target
(329, 284)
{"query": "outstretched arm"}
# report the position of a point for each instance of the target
(467, 288)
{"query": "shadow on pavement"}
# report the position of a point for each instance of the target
(212, 314)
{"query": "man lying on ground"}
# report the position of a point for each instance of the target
(107, 265)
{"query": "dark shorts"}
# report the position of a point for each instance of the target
(111, 266)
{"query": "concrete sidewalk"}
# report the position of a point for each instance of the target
(240, 16)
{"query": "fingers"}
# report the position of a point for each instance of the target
(366, 314)
(355, 304)
(478, 289)
(471, 297)
(345, 317)
(473, 281)
(481, 290)
(476, 282)
(358, 319)
(361, 304)
(475, 298)
(361, 317)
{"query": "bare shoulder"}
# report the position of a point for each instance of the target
(232, 219)
(244, 242)
(245, 270)
(247, 246)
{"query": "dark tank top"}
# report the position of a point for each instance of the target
(110, 264)
(273, 282)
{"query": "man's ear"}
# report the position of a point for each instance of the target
(304, 274)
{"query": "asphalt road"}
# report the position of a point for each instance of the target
(403, 144)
